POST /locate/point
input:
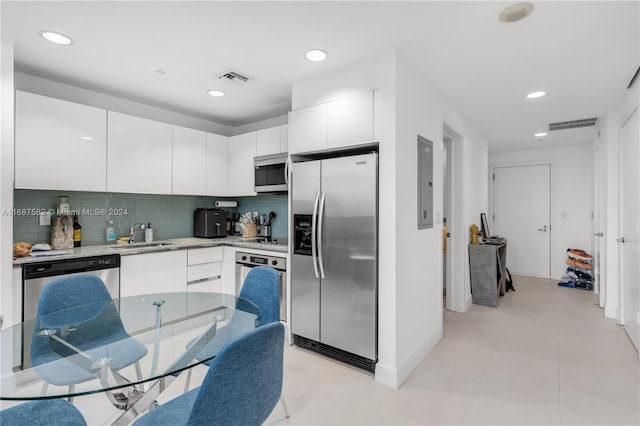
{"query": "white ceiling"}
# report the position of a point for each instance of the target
(582, 53)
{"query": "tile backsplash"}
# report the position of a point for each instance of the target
(171, 216)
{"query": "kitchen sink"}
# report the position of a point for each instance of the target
(143, 245)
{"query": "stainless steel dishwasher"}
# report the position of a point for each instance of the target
(36, 275)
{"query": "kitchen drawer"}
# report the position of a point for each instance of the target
(204, 255)
(204, 270)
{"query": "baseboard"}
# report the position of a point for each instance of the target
(394, 378)
(467, 303)
(611, 312)
(386, 375)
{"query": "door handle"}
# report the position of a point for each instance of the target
(543, 229)
(620, 240)
(286, 171)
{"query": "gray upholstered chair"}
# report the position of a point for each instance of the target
(42, 413)
(242, 386)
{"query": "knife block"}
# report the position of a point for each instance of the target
(250, 230)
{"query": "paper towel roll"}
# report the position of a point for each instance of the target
(226, 204)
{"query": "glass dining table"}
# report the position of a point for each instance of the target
(167, 331)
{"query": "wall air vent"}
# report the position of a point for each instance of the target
(234, 77)
(573, 124)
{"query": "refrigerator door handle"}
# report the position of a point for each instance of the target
(286, 170)
(320, 222)
(314, 247)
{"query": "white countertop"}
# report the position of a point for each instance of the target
(170, 244)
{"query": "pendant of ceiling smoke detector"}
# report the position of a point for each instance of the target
(516, 12)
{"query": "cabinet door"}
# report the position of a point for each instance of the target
(139, 155)
(242, 149)
(308, 128)
(350, 120)
(217, 165)
(189, 161)
(268, 141)
(284, 138)
(147, 273)
(59, 144)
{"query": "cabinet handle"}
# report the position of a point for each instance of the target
(620, 240)
(217, 277)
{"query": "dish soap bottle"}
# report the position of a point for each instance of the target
(148, 233)
(77, 231)
(111, 233)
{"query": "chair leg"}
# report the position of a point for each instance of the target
(284, 406)
(71, 388)
(186, 385)
(45, 386)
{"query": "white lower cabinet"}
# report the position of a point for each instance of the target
(204, 269)
(147, 273)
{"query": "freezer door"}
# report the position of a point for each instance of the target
(349, 250)
(305, 286)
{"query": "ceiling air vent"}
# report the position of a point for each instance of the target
(573, 124)
(234, 77)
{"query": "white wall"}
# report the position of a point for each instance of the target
(6, 182)
(66, 92)
(571, 194)
(410, 260)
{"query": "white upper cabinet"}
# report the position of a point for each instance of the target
(139, 155)
(189, 161)
(350, 120)
(268, 141)
(59, 144)
(339, 123)
(217, 165)
(308, 129)
(242, 149)
(284, 138)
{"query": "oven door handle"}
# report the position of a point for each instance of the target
(314, 242)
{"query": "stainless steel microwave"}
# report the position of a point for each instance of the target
(271, 172)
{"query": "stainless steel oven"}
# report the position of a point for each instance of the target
(246, 261)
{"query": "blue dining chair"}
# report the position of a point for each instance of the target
(261, 289)
(242, 385)
(80, 308)
(42, 413)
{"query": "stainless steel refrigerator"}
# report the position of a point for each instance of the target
(334, 267)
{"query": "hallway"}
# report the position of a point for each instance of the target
(546, 355)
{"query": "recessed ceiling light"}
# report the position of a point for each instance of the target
(56, 38)
(316, 55)
(216, 93)
(159, 73)
(86, 138)
(534, 95)
(540, 135)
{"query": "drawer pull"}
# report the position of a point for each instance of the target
(217, 277)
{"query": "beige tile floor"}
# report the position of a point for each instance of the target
(546, 355)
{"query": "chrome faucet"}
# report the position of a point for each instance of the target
(133, 231)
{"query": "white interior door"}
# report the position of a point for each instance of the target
(630, 216)
(521, 214)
